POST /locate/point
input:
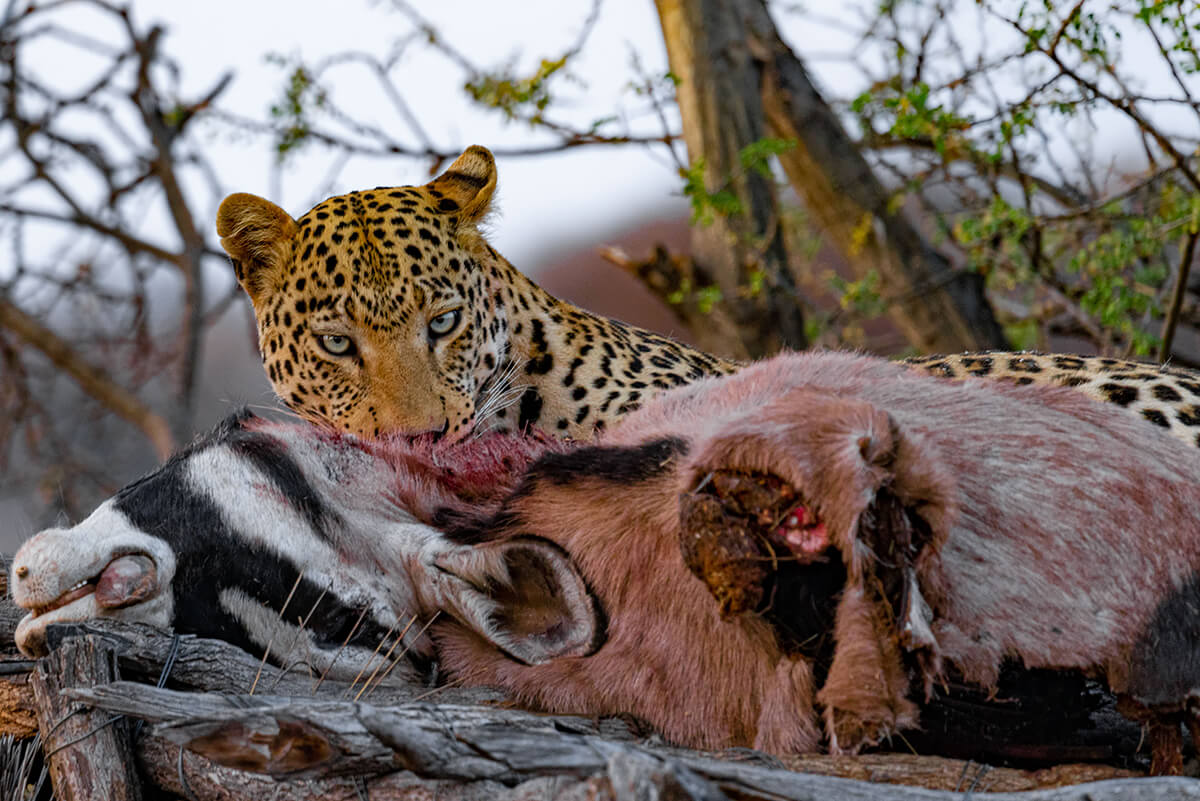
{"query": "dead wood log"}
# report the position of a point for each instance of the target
(204, 665)
(211, 665)
(89, 754)
(188, 775)
(292, 738)
(163, 766)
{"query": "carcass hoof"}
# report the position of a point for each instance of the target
(850, 731)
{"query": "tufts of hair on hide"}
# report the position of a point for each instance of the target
(865, 526)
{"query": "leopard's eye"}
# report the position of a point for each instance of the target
(337, 345)
(444, 323)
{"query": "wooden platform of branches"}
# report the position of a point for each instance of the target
(107, 732)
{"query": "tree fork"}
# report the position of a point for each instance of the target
(937, 308)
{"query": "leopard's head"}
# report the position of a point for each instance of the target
(377, 310)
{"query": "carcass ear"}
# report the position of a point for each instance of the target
(525, 596)
(466, 188)
(258, 236)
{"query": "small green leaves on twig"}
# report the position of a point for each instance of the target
(301, 96)
(723, 201)
(705, 297)
(515, 96)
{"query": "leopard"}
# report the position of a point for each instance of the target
(386, 311)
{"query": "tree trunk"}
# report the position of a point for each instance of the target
(938, 309)
(739, 83)
(721, 106)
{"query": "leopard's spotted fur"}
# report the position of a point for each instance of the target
(1168, 397)
(379, 272)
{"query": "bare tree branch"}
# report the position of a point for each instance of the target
(63, 355)
(1186, 255)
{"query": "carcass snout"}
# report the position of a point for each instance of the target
(124, 581)
(101, 568)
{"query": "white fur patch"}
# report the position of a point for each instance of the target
(372, 557)
(262, 518)
(53, 562)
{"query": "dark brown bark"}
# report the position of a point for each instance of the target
(722, 111)
(89, 753)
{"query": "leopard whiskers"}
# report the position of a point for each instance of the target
(499, 392)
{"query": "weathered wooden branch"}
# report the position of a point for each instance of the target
(188, 775)
(461, 748)
(292, 738)
(212, 665)
(89, 753)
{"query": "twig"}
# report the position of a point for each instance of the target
(1187, 252)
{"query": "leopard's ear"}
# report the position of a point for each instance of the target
(258, 236)
(466, 188)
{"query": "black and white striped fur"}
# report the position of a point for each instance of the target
(241, 535)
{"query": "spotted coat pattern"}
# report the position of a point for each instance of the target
(1168, 397)
(387, 311)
